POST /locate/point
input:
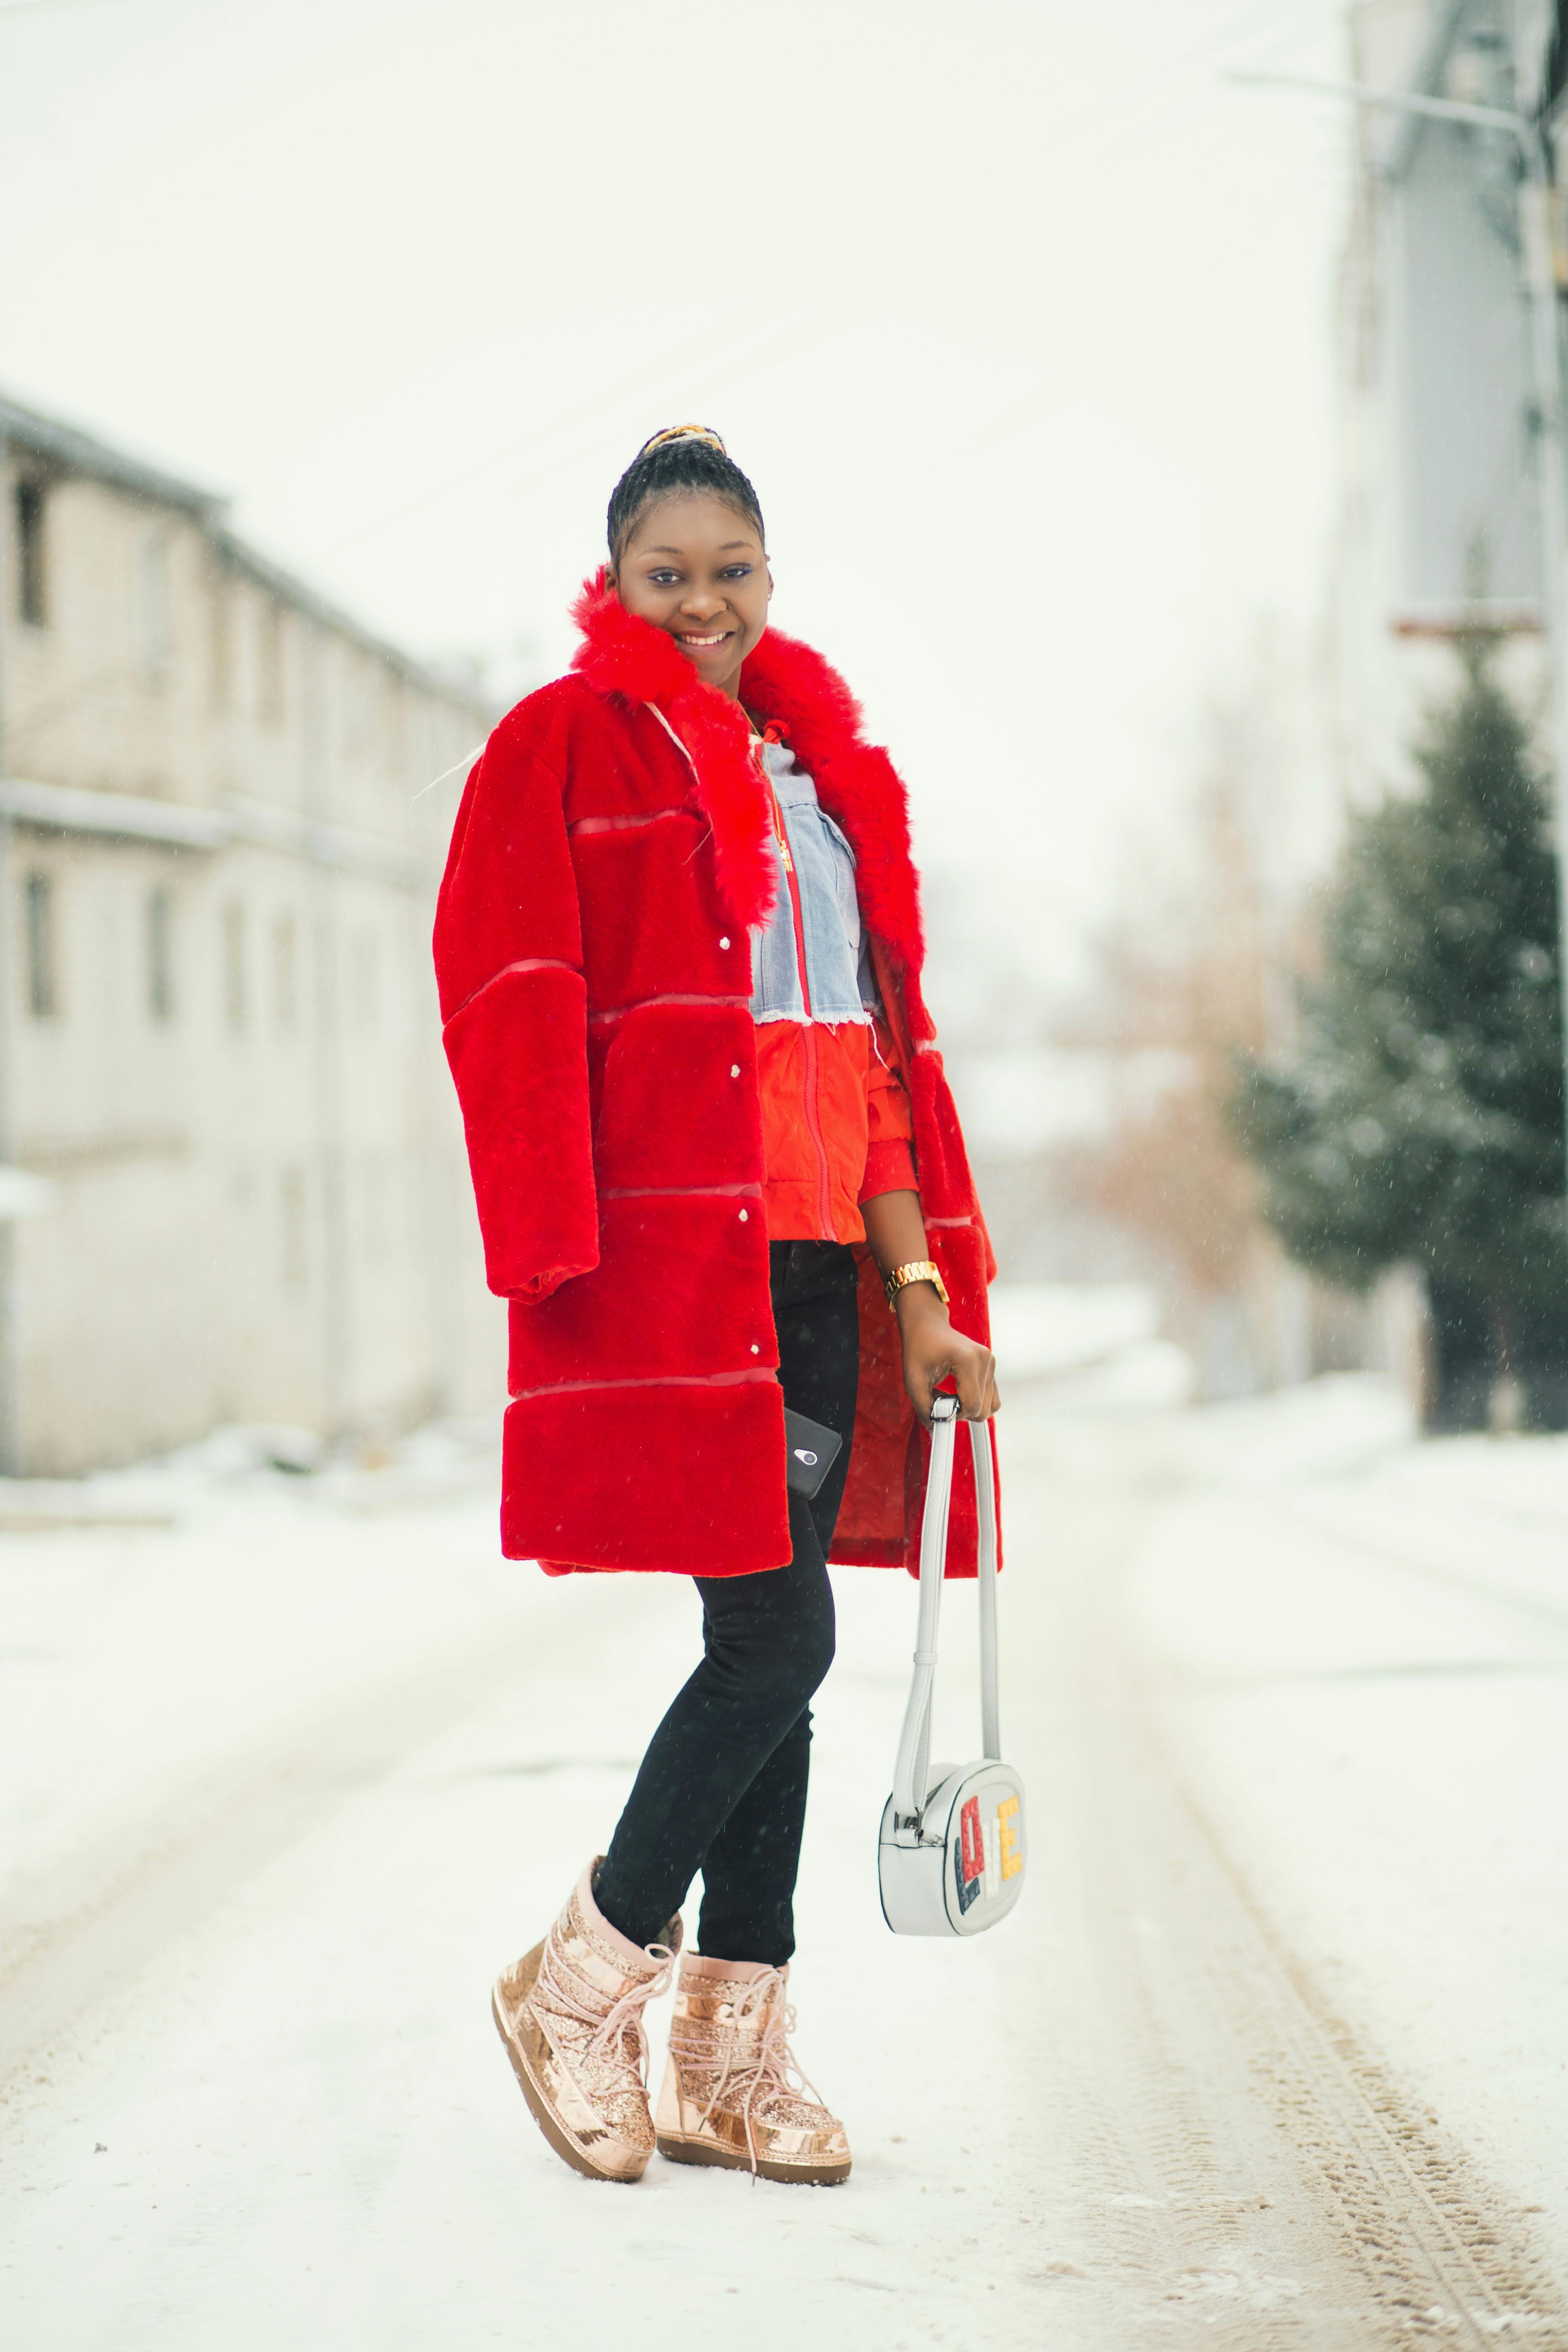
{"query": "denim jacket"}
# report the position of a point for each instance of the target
(838, 958)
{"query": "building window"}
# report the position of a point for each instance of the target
(155, 627)
(220, 611)
(161, 953)
(355, 697)
(271, 663)
(291, 1199)
(367, 982)
(375, 1186)
(285, 972)
(394, 712)
(32, 581)
(235, 1003)
(41, 932)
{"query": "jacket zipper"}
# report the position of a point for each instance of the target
(813, 1117)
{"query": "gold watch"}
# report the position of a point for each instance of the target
(921, 1269)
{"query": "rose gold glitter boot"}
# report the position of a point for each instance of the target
(733, 2093)
(571, 2014)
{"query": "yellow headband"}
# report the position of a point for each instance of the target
(685, 433)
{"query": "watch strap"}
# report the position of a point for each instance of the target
(919, 1269)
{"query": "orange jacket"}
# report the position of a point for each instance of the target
(836, 1124)
(837, 1128)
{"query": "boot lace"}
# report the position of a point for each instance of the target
(554, 1988)
(756, 2061)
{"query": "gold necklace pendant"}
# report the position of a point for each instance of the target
(780, 836)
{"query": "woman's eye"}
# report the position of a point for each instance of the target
(737, 572)
(662, 579)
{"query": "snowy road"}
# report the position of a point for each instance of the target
(1272, 2056)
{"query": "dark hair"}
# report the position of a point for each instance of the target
(692, 460)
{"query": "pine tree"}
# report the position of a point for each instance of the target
(1421, 1117)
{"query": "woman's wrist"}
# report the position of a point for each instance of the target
(918, 1304)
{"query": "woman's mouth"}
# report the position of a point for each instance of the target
(688, 638)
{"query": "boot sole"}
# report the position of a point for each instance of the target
(538, 2105)
(704, 2151)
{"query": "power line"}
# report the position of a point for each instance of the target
(814, 326)
(817, 324)
(482, 475)
(1287, 19)
(37, 7)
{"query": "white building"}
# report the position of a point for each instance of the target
(219, 1046)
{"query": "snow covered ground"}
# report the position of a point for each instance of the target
(1271, 2055)
(1363, 1644)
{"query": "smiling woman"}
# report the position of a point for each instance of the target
(679, 946)
(687, 551)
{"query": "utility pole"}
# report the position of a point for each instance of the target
(1546, 370)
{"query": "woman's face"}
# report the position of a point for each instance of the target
(696, 567)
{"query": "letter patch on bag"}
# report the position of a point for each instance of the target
(1008, 1838)
(969, 1855)
(986, 1852)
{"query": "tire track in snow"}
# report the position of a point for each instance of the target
(75, 1934)
(1443, 2259)
(1292, 2194)
(1180, 2208)
(1475, 1588)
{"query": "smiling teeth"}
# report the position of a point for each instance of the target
(706, 641)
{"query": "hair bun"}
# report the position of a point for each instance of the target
(683, 460)
(684, 433)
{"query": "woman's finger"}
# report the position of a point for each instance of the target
(926, 1381)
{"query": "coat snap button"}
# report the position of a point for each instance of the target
(734, 1069)
(756, 1350)
(723, 943)
(745, 1216)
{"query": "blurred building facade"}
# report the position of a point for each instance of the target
(1438, 522)
(219, 1048)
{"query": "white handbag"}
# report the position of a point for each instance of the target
(950, 1858)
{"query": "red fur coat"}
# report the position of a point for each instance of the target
(592, 953)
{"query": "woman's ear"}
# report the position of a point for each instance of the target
(770, 580)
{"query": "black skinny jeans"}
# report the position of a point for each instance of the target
(722, 1787)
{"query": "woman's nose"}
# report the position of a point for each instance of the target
(701, 602)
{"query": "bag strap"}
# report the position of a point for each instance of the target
(911, 1770)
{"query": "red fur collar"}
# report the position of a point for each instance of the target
(784, 681)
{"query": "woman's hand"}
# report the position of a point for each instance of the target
(935, 1351)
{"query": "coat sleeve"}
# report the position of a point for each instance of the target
(508, 967)
(889, 1124)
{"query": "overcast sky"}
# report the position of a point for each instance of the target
(1017, 315)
